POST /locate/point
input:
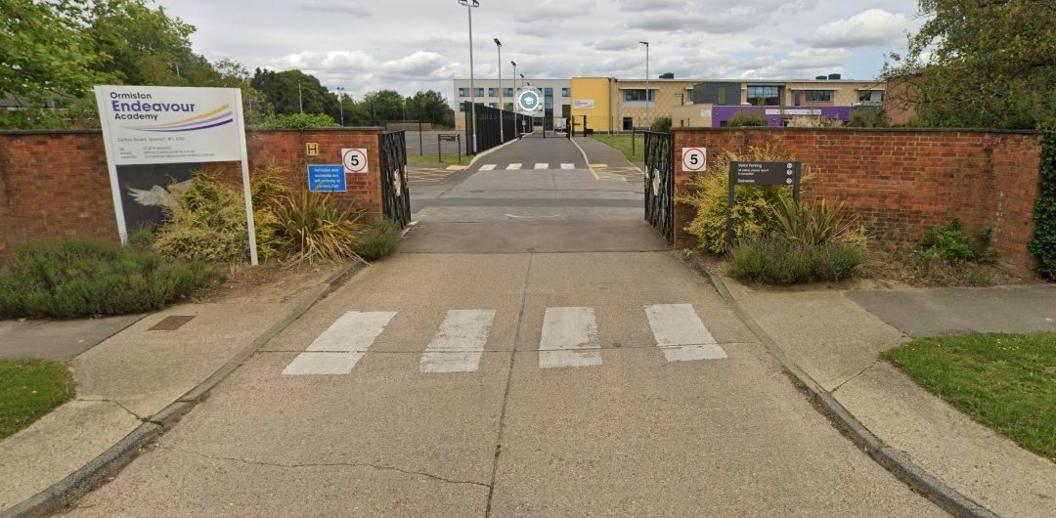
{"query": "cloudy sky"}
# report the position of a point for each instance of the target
(408, 45)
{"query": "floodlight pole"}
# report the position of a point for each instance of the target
(470, 4)
(517, 91)
(341, 103)
(646, 43)
(502, 107)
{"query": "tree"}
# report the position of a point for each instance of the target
(287, 90)
(982, 63)
(430, 106)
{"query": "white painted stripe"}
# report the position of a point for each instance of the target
(459, 342)
(514, 166)
(487, 167)
(309, 363)
(542, 165)
(354, 331)
(680, 333)
(568, 166)
(570, 338)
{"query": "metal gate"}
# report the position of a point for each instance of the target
(660, 183)
(395, 197)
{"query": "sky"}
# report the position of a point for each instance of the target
(411, 45)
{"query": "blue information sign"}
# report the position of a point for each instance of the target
(326, 178)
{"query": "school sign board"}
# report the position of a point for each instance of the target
(156, 136)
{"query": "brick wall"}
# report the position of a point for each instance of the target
(55, 184)
(899, 182)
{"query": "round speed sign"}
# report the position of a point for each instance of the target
(354, 159)
(694, 158)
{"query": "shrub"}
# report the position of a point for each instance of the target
(310, 227)
(867, 118)
(814, 122)
(778, 260)
(380, 240)
(745, 120)
(82, 278)
(1044, 244)
(662, 124)
(816, 223)
(301, 121)
(752, 214)
(953, 245)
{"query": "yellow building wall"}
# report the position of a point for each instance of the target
(691, 116)
(599, 91)
(668, 96)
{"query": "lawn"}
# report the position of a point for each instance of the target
(622, 143)
(431, 159)
(1005, 381)
(29, 389)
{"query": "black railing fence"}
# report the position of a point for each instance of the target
(660, 183)
(488, 134)
(395, 197)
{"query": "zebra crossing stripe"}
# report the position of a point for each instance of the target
(514, 166)
(487, 167)
(568, 166)
(681, 335)
(542, 165)
(342, 345)
(459, 342)
(569, 339)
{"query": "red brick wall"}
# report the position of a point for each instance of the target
(55, 184)
(899, 182)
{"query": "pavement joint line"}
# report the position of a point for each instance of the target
(114, 402)
(297, 465)
(893, 460)
(854, 377)
(107, 464)
(509, 383)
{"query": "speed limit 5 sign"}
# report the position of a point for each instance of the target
(354, 159)
(694, 158)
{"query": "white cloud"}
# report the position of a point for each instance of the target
(334, 7)
(875, 27)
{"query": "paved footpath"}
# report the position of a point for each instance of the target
(517, 358)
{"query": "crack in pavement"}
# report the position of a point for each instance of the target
(115, 402)
(378, 467)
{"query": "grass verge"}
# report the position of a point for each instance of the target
(444, 159)
(622, 143)
(1004, 381)
(30, 389)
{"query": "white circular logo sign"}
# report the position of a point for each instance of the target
(528, 101)
(694, 158)
(355, 160)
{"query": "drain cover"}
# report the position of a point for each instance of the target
(171, 323)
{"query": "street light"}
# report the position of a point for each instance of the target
(516, 120)
(646, 43)
(341, 103)
(470, 4)
(502, 106)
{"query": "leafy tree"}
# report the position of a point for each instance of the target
(382, 106)
(982, 63)
(430, 106)
(287, 90)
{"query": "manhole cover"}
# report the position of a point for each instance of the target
(171, 323)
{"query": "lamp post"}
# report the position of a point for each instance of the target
(470, 4)
(646, 43)
(502, 106)
(300, 99)
(341, 103)
(517, 91)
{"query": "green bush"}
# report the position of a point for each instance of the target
(1044, 244)
(661, 124)
(380, 240)
(301, 121)
(311, 226)
(81, 278)
(746, 120)
(952, 245)
(816, 223)
(777, 260)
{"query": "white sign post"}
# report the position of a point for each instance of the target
(150, 125)
(694, 159)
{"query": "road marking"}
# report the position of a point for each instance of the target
(568, 166)
(680, 333)
(487, 167)
(542, 165)
(354, 331)
(309, 363)
(459, 342)
(514, 166)
(570, 338)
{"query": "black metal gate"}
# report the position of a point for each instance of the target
(660, 183)
(395, 197)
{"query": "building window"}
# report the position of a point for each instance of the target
(871, 96)
(638, 95)
(722, 95)
(508, 92)
(628, 123)
(463, 92)
(566, 92)
(764, 95)
(819, 95)
(493, 92)
(480, 91)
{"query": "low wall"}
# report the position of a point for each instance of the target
(899, 182)
(56, 184)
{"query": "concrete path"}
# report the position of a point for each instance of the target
(512, 382)
(57, 340)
